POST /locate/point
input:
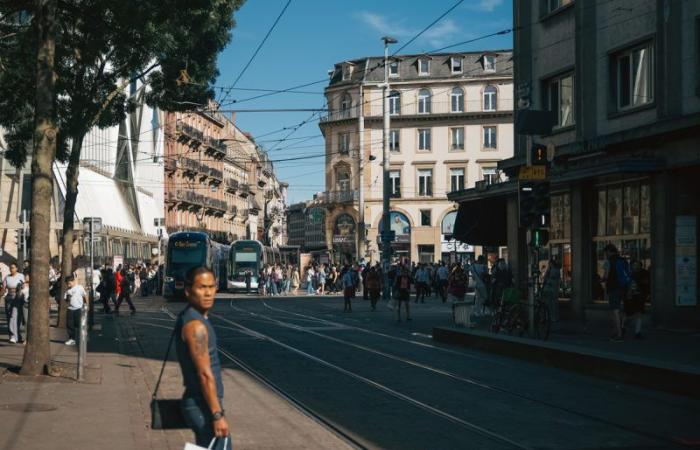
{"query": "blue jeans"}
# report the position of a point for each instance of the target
(310, 288)
(198, 418)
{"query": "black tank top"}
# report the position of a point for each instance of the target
(189, 372)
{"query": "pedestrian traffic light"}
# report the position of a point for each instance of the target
(539, 237)
(542, 205)
(538, 155)
(526, 203)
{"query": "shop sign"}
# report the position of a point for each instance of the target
(532, 173)
(448, 223)
(344, 229)
(686, 261)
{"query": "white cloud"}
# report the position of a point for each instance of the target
(484, 5)
(442, 33)
(383, 24)
(437, 36)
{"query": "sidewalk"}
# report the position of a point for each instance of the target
(111, 409)
(664, 359)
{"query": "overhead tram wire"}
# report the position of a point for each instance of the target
(428, 27)
(257, 50)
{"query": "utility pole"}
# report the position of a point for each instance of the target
(361, 168)
(386, 182)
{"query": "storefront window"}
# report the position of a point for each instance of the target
(560, 210)
(630, 224)
(614, 211)
(645, 213)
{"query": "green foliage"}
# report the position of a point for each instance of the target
(101, 46)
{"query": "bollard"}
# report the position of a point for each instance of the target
(82, 348)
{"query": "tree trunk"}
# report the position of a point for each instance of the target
(37, 353)
(68, 221)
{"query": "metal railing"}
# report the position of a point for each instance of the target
(343, 196)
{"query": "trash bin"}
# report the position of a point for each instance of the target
(460, 312)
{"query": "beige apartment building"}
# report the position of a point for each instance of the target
(194, 173)
(450, 123)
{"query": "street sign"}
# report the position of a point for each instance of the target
(532, 173)
(96, 224)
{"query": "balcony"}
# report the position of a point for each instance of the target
(346, 196)
(244, 190)
(189, 134)
(231, 185)
(216, 177)
(216, 148)
(233, 211)
(470, 109)
(342, 114)
(190, 167)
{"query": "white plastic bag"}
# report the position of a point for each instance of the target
(189, 446)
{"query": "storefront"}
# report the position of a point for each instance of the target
(344, 235)
(451, 249)
(401, 247)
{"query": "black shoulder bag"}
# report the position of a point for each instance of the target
(166, 414)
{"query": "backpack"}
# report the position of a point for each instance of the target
(624, 279)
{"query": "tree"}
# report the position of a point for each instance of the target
(103, 46)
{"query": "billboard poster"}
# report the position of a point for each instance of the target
(399, 224)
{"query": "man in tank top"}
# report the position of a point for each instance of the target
(195, 340)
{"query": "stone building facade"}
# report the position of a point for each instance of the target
(450, 124)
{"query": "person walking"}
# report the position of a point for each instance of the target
(24, 315)
(374, 286)
(77, 298)
(550, 289)
(637, 296)
(143, 277)
(198, 357)
(310, 281)
(11, 287)
(295, 279)
(124, 292)
(274, 282)
(422, 279)
(248, 279)
(441, 276)
(321, 280)
(617, 279)
(348, 283)
(403, 291)
(479, 272)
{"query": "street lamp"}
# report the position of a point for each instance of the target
(386, 239)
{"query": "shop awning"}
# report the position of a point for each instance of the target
(482, 221)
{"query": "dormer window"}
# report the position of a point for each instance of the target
(423, 66)
(347, 71)
(394, 69)
(489, 63)
(456, 64)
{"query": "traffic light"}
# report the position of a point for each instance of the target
(538, 155)
(539, 237)
(542, 205)
(526, 203)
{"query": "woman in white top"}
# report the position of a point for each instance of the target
(11, 288)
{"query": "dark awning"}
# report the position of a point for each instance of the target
(482, 221)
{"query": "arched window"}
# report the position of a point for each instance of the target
(423, 101)
(457, 100)
(490, 98)
(345, 106)
(394, 103)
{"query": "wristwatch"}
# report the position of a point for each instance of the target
(218, 415)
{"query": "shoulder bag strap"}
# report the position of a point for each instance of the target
(165, 360)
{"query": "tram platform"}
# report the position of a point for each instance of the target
(667, 360)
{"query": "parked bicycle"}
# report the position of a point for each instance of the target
(512, 315)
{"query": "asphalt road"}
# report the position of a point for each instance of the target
(386, 384)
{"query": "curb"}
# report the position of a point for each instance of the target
(676, 379)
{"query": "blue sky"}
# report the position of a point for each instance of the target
(310, 38)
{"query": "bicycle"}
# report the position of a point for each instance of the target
(512, 315)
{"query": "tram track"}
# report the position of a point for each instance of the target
(446, 373)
